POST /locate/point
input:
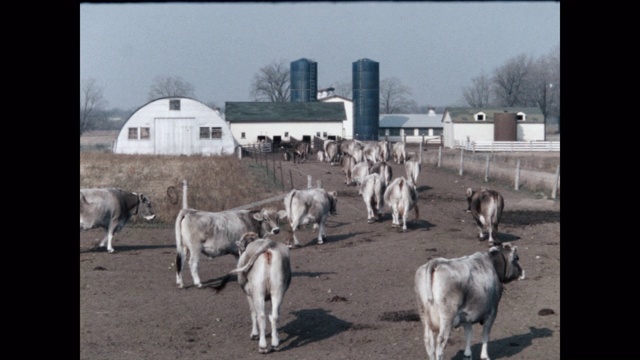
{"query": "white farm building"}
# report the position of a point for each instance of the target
(175, 126)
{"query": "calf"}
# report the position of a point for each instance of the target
(486, 207)
(401, 196)
(215, 234)
(463, 291)
(110, 209)
(372, 191)
(264, 273)
(412, 167)
(310, 206)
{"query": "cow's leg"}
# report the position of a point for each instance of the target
(429, 339)
(194, 256)
(468, 335)
(109, 238)
(486, 329)
(294, 227)
(405, 214)
(395, 222)
(258, 305)
(276, 301)
(254, 319)
(321, 233)
(493, 231)
(180, 258)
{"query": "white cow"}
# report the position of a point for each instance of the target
(384, 169)
(215, 234)
(372, 191)
(310, 206)
(347, 162)
(359, 171)
(264, 273)
(412, 167)
(486, 208)
(110, 209)
(399, 152)
(463, 291)
(401, 196)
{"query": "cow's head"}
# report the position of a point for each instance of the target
(268, 218)
(505, 260)
(245, 240)
(333, 201)
(145, 209)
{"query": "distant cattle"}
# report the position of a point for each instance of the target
(110, 209)
(399, 153)
(300, 152)
(401, 196)
(412, 168)
(463, 291)
(359, 171)
(310, 206)
(331, 152)
(486, 208)
(372, 191)
(321, 155)
(371, 153)
(264, 274)
(286, 154)
(215, 234)
(384, 169)
(347, 163)
(385, 150)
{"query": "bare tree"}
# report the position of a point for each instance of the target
(478, 94)
(511, 82)
(545, 83)
(164, 86)
(272, 83)
(343, 88)
(393, 98)
(91, 102)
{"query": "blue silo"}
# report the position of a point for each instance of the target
(366, 99)
(304, 81)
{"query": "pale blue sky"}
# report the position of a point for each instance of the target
(434, 48)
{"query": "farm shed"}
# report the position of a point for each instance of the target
(284, 122)
(175, 126)
(395, 126)
(462, 124)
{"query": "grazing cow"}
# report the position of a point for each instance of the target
(372, 191)
(486, 207)
(111, 209)
(215, 234)
(401, 196)
(300, 152)
(264, 273)
(412, 167)
(347, 163)
(359, 171)
(463, 291)
(306, 206)
(382, 168)
(399, 153)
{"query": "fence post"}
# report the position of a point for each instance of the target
(486, 170)
(555, 183)
(461, 160)
(239, 152)
(184, 193)
(319, 184)
(439, 155)
(420, 156)
(281, 176)
(274, 171)
(309, 181)
(291, 179)
(517, 187)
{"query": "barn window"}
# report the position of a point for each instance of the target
(205, 133)
(174, 104)
(382, 132)
(133, 133)
(521, 116)
(216, 132)
(243, 135)
(480, 117)
(423, 131)
(324, 134)
(317, 133)
(286, 134)
(394, 132)
(145, 133)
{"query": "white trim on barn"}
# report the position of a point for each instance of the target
(347, 125)
(175, 126)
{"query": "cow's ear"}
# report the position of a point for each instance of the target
(469, 192)
(258, 216)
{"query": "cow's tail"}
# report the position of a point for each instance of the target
(424, 281)
(179, 245)
(254, 256)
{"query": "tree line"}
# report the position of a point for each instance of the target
(521, 81)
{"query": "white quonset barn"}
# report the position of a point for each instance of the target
(284, 122)
(463, 124)
(175, 126)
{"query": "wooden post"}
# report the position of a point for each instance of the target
(517, 187)
(291, 179)
(555, 183)
(486, 170)
(184, 193)
(274, 171)
(439, 155)
(281, 176)
(309, 181)
(239, 152)
(420, 156)
(319, 184)
(461, 160)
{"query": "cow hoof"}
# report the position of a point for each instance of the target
(199, 286)
(255, 337)
(320, 242)
(110, 250)
(371, 221)
(264, 350)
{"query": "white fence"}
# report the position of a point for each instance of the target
(507, 146)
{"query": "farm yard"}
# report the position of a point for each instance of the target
(351, 297)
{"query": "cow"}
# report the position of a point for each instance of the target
(384, 169)
(347, 163)
(372, 191)
(331, 152)
(300, 152)
(385, 150)
(463, 291)
(286, 154)
(321, 155)
(371, 152)
(401, 196)
(110, 209)
(306, 206)
(215, 234)
(399, 152)
(359, 171)
(486, 208)
(412, 167)
(264, 274)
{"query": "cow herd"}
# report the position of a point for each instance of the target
(449, 292)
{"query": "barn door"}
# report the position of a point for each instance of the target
(174, 136)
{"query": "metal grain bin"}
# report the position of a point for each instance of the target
(505, 127)
(304, 80)
(366, 99)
